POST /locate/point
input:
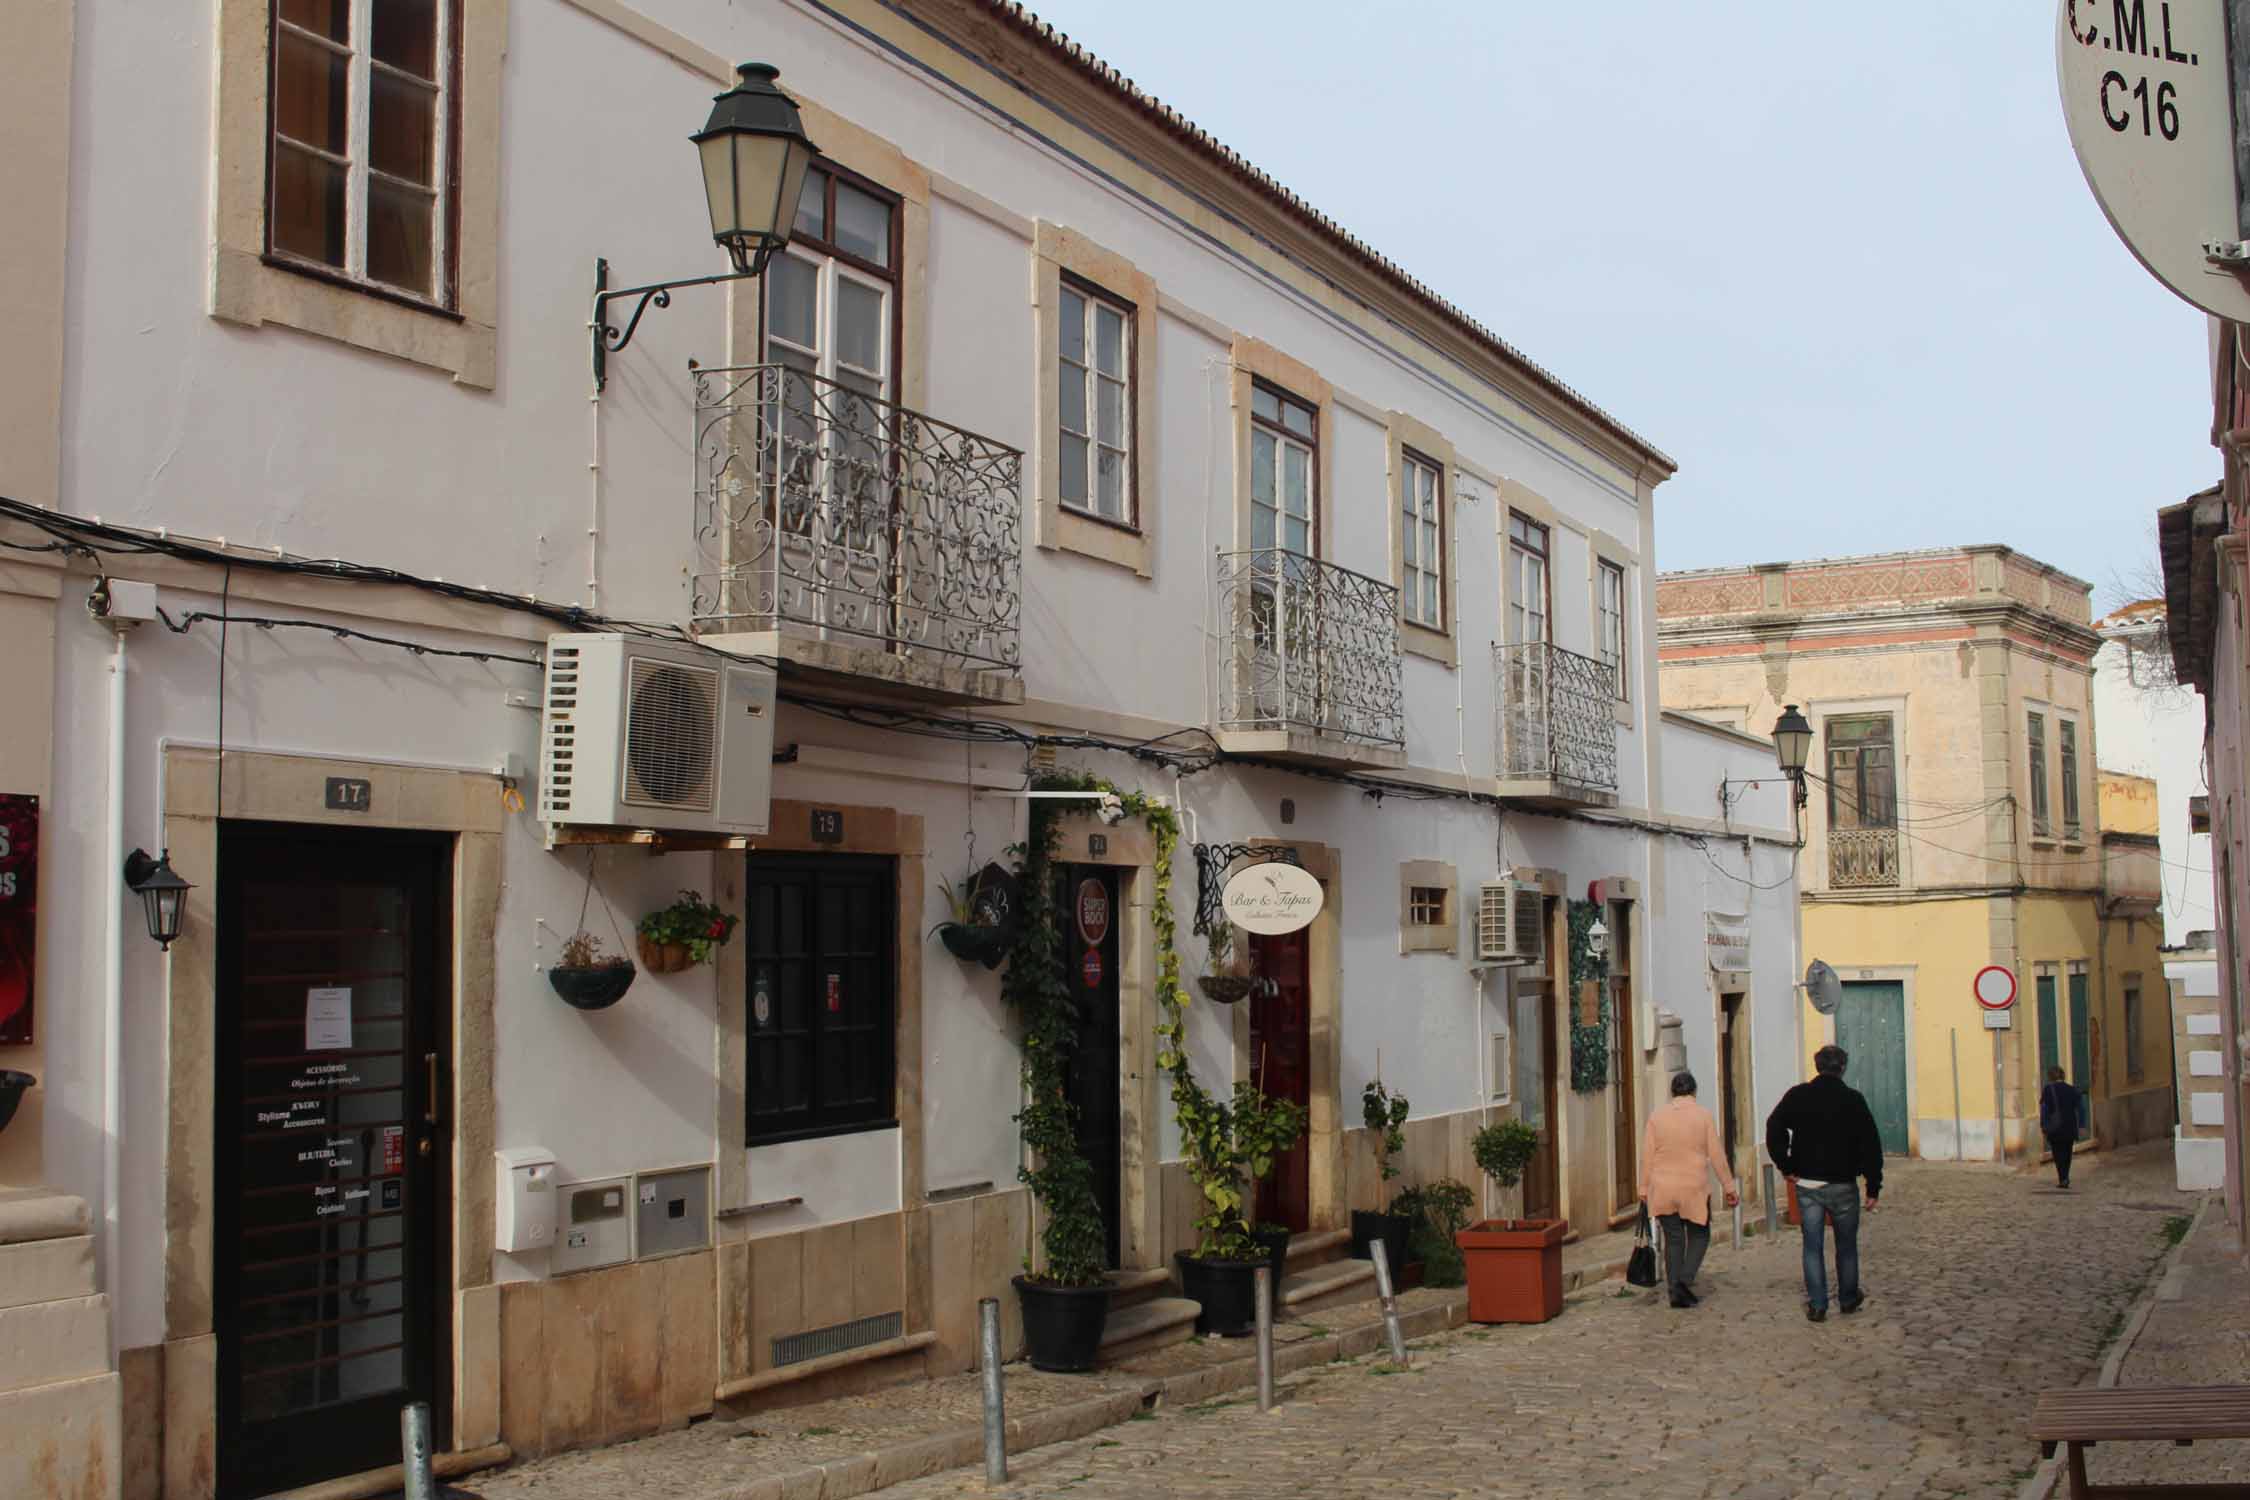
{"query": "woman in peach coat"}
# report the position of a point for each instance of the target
(1679, 1150)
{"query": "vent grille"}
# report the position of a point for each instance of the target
(1492, 921)
(1526, 913)
(822, 1342)
(669, 734)
(557, 772)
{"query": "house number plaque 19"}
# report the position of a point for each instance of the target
(827, 826)
(350, 794)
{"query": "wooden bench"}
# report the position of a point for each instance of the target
(2179, 1414)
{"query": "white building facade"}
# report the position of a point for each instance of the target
(2152, 726)
(1057, 438)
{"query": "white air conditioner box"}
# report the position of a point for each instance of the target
(643, 733)
(1511, 924)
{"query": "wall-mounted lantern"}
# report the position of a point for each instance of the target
(1792, 746)
(163, 894)
(754, 152)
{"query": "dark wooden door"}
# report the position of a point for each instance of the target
(1281, 1065)
(1542, 1175)
(1086, 898)
(1730, 1077)
(1625, 1119)
(330, 1191)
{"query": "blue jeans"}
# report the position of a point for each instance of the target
(1837, 1203)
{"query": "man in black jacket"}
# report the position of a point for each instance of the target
(1822, 1137)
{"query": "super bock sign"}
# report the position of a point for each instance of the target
(1272, 899)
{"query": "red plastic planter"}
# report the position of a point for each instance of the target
(1515, 1269)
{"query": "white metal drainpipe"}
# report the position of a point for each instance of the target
(113, 988)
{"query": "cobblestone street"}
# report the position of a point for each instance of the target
(1983, 1287)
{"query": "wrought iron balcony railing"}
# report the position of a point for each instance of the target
(1558, 718)
(1309, 646)
(823, 510)
(1862, 858)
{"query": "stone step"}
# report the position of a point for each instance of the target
(1135, 1287)
(42, 1343)
(46, 1270)
(1326, 1284)
(1317, 1246)
(1147, 1326)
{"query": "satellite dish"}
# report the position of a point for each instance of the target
(1822, 987)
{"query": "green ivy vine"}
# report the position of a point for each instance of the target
(1589, 1045)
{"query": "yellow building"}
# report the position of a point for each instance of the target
(1954, 821)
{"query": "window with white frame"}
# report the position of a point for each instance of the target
(1094, 363)
(1612, 605)
(832, 294)
(1284, 469)
(361, 175)
(1527, 580)
(1421, 542)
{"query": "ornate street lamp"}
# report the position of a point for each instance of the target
(1792, 746)
(163, 894)
(754, 152)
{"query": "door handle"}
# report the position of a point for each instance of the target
(429, 1088)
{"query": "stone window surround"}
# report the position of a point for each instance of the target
(1251, 360)
(1816, 820)
(1414, 937)
(1601, 547)
(1055, 251)
(286, 788)
(251, 288)
(1403, 432)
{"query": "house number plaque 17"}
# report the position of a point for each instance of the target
(350, 794)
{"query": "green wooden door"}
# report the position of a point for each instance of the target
(2081, 1053)
(1871, 1026)
(2050, 1029)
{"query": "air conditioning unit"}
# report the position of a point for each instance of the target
(644, 733)
(1511, 928)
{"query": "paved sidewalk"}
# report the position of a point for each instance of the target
(1922, 1394)
(2197, 1333)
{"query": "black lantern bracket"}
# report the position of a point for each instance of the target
(609, 339)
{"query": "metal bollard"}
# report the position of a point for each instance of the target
(1773, 1210)
(995, 1415)
(1265, 1338)
(1738, 1222)
(414, 1451)
(1390, 1302)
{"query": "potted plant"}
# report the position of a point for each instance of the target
(1218, 986)
(1514, 1265)
(1230, 1147)
(683, 934)
(981, 927)
(12, 1085)
(1441, 1211)
(589, 979)
(1385, 1114)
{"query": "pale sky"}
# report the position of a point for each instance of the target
(1839, 262)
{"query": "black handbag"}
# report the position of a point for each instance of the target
(1640, 1268)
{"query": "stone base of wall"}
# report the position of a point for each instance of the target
(2144, 1115)
(61, 1408)
(1934, 1140)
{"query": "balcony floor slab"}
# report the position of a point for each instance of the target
(1310, 749)
(832, 664)
(1543, 792)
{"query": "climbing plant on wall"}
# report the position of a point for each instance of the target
(1589, 1045)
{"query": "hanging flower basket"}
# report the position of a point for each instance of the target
(973, 944)
(1225, 989)
(985, 916)
(589, 979)
(688, 932)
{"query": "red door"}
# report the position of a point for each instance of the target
(1281, 1065)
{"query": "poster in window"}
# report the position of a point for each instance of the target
(19, 913)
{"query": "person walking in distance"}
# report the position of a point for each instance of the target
(1679, 1151)
(1823, 1138)
(2058, 1122)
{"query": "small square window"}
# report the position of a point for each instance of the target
(1426, 905)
